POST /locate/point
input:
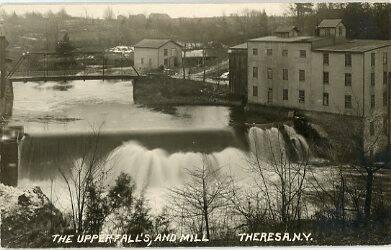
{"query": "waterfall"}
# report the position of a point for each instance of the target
(267, 144)
(154, 168)
(298, 142)
(274, 144)
(158, 168)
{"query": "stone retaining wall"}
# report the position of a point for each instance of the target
(345, 133)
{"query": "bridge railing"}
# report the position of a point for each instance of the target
(74, 72)
(75, 64)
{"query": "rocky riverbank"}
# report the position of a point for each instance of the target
(28, 218)
(164, 90)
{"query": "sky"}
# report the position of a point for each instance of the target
(174, 8)
(182, 9)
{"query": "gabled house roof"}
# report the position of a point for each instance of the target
(154, 43)
(239, 46)
(329, 23)
(285, 29)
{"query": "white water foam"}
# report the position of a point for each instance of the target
(154, 171)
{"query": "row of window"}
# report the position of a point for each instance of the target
(348, 78)
(326, 76)
(285, 95)
(284, 74)
(326, 56)
(326, 97)
(166, 62)
(284, 52)
(348, 59)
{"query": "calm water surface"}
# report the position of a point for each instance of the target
(79, 106)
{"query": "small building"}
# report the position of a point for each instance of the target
(238, 56)
(331, 28)
(194, 58)
(286, 31)
(152, 54)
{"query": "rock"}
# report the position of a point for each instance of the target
(23, 200)
(28, 218)
(321, 133)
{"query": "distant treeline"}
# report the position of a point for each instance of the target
(36, 31)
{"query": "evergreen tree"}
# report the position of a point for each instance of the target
(97, 209)
(64, 50)
(162, 223)
(140, 221)
(122, 193)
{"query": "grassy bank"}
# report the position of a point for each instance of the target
(163, 90)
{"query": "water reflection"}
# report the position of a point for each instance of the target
(44, 107)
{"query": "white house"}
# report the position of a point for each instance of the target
(154, 53)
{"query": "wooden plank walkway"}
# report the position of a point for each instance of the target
(61, 78)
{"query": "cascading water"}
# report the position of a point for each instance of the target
(299, 143)
(268, 144)
(155, 169)
(153, 147)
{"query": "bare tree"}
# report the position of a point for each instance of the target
(249, 207)
(109, 13)
(277, 177)
(201, 196)
(361, 145)
(89, 171)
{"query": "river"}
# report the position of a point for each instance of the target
(79, 106)
(153, 145)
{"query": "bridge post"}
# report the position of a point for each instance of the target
(9, 154)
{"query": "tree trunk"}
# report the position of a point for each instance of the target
(205, 209)
(368, 195)
(207, 225)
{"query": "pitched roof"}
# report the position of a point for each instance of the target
(284, 29)
(153, 43)
(239, 46)
(329, 23)
(286, 39)
(358, 46)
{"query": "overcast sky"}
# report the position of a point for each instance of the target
(184, 9)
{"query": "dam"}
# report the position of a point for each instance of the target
(63, 125)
